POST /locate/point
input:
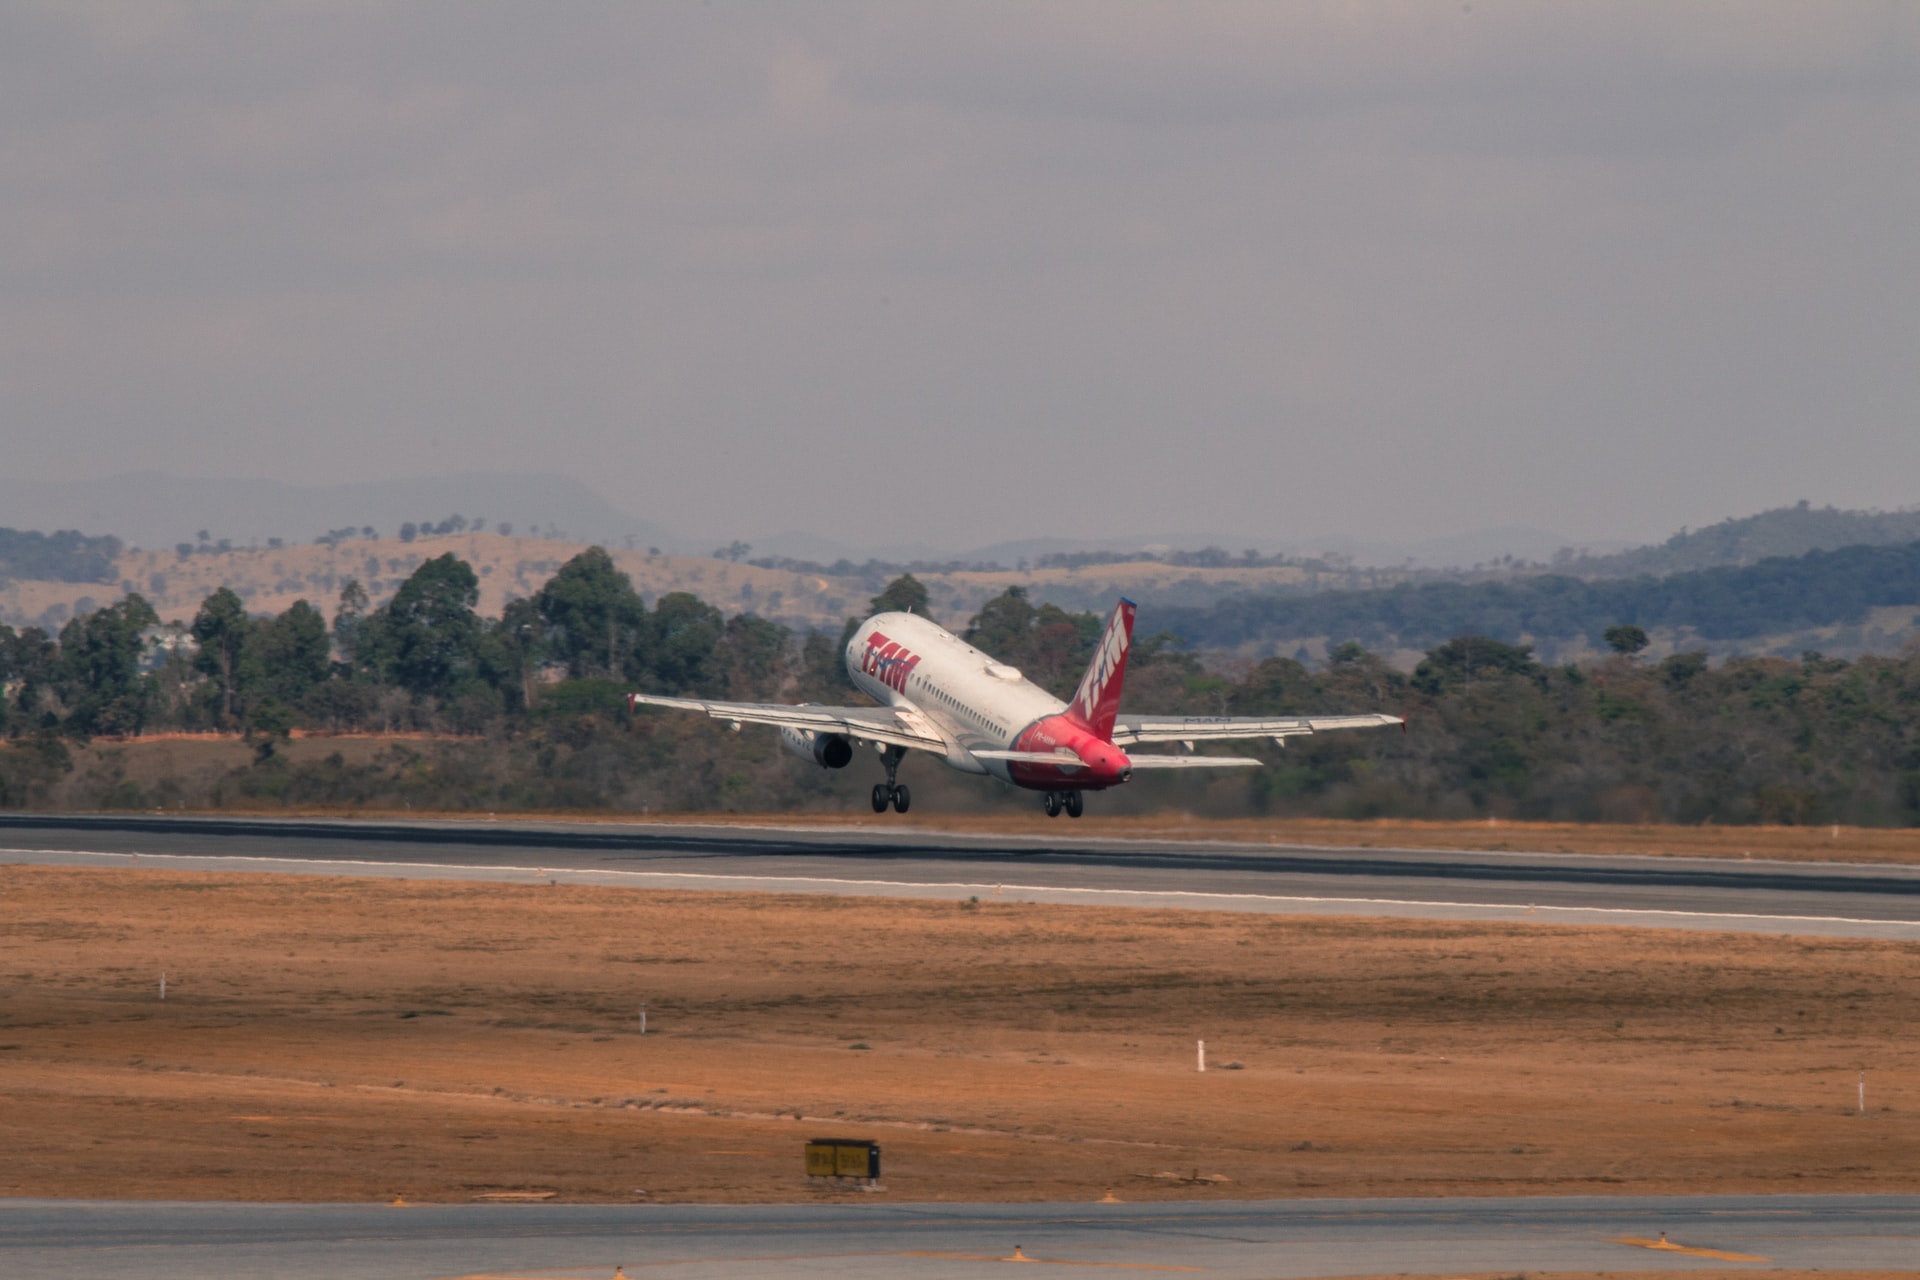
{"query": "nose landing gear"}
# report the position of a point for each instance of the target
(891, 791)
(1054, 801)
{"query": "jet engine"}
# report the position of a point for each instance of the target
(828, 750)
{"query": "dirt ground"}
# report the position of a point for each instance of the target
(328, 1039)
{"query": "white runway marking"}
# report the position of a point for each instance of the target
(1193, 899)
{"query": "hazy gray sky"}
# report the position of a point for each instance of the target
(964, 272)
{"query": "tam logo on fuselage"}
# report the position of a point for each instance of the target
(889, 663)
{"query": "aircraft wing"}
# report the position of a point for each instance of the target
(1130, 730)
(897, 727)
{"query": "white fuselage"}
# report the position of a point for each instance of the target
(906, 661)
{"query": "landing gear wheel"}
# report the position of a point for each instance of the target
(1073, 804)
(891, 792)
(1052, 804)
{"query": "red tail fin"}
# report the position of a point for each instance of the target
(1097, 701)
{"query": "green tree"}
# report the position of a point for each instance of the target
(1002, 626)
(429, 635)
(100, 669)
(905, 594)
(29, 663)
(1048, 644)
(284, 657)
(179, 690)
(823, 669)
(512, 652)
(1274, 687)
(220, 629)
(1060, 647)
(681, 635)
(1471, 657)
(269, 726)
(591, 614)
(751, 658)
(1626, 639)
(348, 615)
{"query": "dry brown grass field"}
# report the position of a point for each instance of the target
(332, 1039)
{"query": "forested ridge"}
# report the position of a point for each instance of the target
(526, 711)
(1783, 531)
(65, 556)
(1778, 594)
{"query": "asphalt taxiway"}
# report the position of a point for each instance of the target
(1858, 900)
(72, 1240)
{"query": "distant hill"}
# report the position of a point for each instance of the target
(1720, 607)
(1456, 551)
(1844, 600)
(154, 510)
(270, 578)
(1784, 531)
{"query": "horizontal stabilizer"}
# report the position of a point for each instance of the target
(1063, 758)
(1192, 762)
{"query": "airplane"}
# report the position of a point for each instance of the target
(939, 694)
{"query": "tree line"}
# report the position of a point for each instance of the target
(424, 660)
(527, 711)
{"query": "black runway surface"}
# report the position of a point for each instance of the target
(72, 1240)
(1858, 899)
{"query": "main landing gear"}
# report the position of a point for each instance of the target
(1054, 801)
(891, 791)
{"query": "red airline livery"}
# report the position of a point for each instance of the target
(937, 693)
(888, 663)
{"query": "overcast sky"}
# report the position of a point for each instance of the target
(965, 272)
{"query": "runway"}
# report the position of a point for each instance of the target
(72, 1240)
(855, 1238)
(1841, 899)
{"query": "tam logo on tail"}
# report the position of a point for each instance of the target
(1097, 701)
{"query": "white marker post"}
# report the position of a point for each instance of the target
(1202, 1052)
(163, 984)
(643, 1019)
(1863, 1093)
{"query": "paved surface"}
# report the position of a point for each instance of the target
(1760, 896)
(68, 1240)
